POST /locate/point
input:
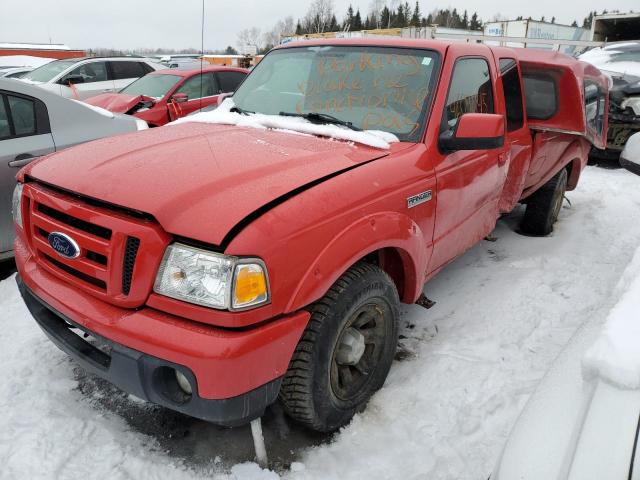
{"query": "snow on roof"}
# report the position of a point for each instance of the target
(34, 46)
(615, 356)
(608, 58)
(23, 61)
(224, 115)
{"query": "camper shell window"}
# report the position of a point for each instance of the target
(541, 95)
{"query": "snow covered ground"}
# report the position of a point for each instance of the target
(466, 367)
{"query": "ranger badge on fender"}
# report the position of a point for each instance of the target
(418, 199)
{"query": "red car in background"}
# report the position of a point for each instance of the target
(165, 95)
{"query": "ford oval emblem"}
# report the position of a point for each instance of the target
(64, 245)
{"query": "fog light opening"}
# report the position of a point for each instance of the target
(183, 383)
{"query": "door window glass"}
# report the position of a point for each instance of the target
(595, 101)
(124, 70)
(470, 91)
(23, 114)
(90, 72)
(229, 81)
(5, 129)
(199, 86)
(512, 93)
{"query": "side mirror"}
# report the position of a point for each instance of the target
(179, 97)
(73, 79)
(474, 131)
(630, 156)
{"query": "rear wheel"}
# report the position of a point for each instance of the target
(543, 207)
(346, 351)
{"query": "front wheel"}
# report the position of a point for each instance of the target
(345, 352)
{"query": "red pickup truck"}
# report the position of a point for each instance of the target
(261, 252)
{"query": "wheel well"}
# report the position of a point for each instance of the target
(391, 261)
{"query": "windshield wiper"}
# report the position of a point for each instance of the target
(239, 110)
(316, 117)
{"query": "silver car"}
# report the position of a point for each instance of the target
(34, 122)
(82, 78)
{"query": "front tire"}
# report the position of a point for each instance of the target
(345, 352)
(543, 207)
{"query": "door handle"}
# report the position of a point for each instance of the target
(22, 160)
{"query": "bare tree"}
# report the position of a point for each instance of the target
(250, 36)
(319, 15)
(375, 10)
(281, 29)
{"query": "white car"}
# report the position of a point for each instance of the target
(583, 420)
(82, 78)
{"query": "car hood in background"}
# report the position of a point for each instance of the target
(199, 180)
(117, 102)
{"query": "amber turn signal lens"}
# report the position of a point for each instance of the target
(250, 286)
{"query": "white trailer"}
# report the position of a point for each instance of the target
(536, 30)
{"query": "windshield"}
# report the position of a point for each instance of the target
(374, 88)
(154, 86)
(49, 71)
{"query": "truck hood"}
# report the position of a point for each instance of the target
(117, 102)
(199, 180)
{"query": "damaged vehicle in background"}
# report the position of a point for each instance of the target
(82, 78)
(166, 95)
(621, 61)
(33, 123)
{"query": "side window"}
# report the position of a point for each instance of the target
(199, 84)
(124, 70)
(541, 97)
(90, 72)
(595, 102)
(229, 81)
(470, 91)
(146, 68)
(512, 93)
(23, 114)
(5, 128)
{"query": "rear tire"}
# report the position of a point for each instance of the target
(543, 207)
(345, 352)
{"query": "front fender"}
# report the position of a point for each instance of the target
(368, 234)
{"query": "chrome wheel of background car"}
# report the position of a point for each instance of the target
(359, 349)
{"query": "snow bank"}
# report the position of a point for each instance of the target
(615, 356)
(224, 115)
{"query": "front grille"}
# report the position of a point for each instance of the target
(110, 243)
(78, 223)
(130, 253)
(83, 276)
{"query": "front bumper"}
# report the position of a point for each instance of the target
(234, 374)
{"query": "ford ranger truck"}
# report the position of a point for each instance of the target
(261, 253)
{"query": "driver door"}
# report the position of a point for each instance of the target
(96, 80)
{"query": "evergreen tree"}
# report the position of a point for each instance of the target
(465, 20)
(333, 26)
(542, 19)
(475, 23)
(348, 22)
(357, 22)
(415, 18)
(553, 19)
(299, 30)
(574, 24)
(385, 18)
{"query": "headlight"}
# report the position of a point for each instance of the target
(211, 279)
(16, 205)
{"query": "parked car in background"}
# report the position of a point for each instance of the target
(621, 61)
(33, 123)
(261, 250)
(167, 95)
(82, 78)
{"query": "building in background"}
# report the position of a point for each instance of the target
(40, 50)
(615, 27)
(533, 29)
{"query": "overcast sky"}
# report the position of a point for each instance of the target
(176, 24)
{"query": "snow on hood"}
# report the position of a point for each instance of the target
(224, 115)
(615, 355)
